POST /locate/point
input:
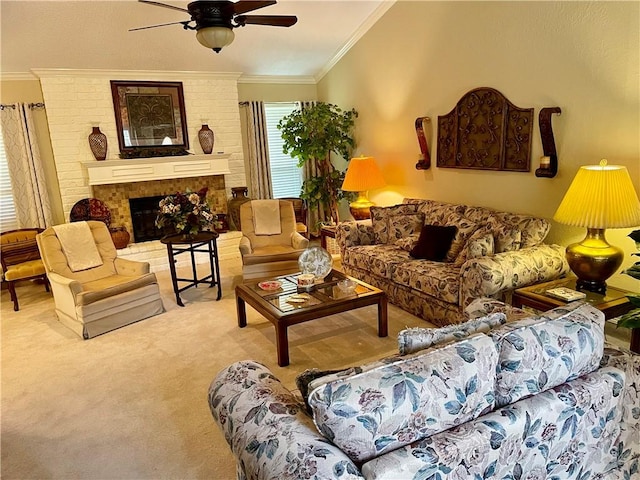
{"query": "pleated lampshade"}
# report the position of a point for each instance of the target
(600, 196)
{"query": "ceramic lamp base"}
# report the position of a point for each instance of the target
(593, 260)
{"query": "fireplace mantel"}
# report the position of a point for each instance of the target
(157, 168)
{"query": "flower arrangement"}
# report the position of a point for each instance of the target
(188, 212)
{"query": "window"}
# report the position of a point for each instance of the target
(8, 219)
(286, 176)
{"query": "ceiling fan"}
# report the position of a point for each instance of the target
(215, 19)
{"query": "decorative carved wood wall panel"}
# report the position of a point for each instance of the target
(485, 131)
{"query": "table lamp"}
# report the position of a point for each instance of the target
(363, 174)
(600, 197)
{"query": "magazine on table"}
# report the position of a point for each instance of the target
(566, 294)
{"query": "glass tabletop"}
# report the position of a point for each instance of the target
(290, 297)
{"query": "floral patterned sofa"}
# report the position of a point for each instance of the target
(492, 254)
(534, 398)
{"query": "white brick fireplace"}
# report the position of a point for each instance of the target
(77, 100)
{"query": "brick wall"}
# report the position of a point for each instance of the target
(77, 100)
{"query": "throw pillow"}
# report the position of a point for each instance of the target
(407, 243)
(465, 229)
(389, 405)
(434, 242)
(412, 340)
(305, 378)
(480, 244)
(379, 222)
(534, 230)
(507, 237)
(401, 226)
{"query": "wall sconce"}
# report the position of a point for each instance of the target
(549, 162)
(424, 162)
(362, 175)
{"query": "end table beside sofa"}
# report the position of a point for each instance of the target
(538, 397)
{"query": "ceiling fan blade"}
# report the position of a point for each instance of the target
(272, 20)
(158, 4)
(184, 23)
(244, 6)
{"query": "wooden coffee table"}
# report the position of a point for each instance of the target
(324, 299)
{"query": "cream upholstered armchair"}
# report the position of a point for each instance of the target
(94, 290)
(270, 244)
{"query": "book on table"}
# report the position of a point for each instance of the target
(566, 294)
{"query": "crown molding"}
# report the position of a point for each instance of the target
(357, 35)
(134, 74)
(281, 79)
(17, 76)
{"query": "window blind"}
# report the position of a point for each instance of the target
(286, 176)
(8, 219)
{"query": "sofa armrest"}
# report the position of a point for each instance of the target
(349, 234)
(629, 363)
(131, 268)
(298, 241)
(493, 276)
(245, 246)
(65, 292)
(268, 430)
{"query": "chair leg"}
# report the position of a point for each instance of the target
(45, 279)
(14, 297)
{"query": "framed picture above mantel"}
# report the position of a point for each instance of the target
(150, 118)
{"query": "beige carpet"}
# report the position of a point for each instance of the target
(132, 404)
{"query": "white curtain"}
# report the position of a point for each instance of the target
(25, 167)
(259, 171)
(317, 214)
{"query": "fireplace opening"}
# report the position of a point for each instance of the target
(143, 218)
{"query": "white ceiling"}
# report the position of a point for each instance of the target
(94, 35)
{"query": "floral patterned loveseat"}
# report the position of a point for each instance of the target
(492, 254)
(535, 398)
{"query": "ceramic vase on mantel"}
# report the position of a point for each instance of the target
(206, 138)
(98, 143)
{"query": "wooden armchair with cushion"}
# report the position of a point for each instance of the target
(270, 244)
(20, 259)
(94, 290)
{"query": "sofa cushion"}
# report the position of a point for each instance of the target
(568, 432)
(434, 242)
(401, 226)
(539, 353)
(380, 260)
(389, 405)
(379, 219)
(437, 279)
(412, 340)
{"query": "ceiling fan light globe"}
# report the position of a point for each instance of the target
(215, 37)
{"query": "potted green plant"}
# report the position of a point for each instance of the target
(311, 135)
(632, 319)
